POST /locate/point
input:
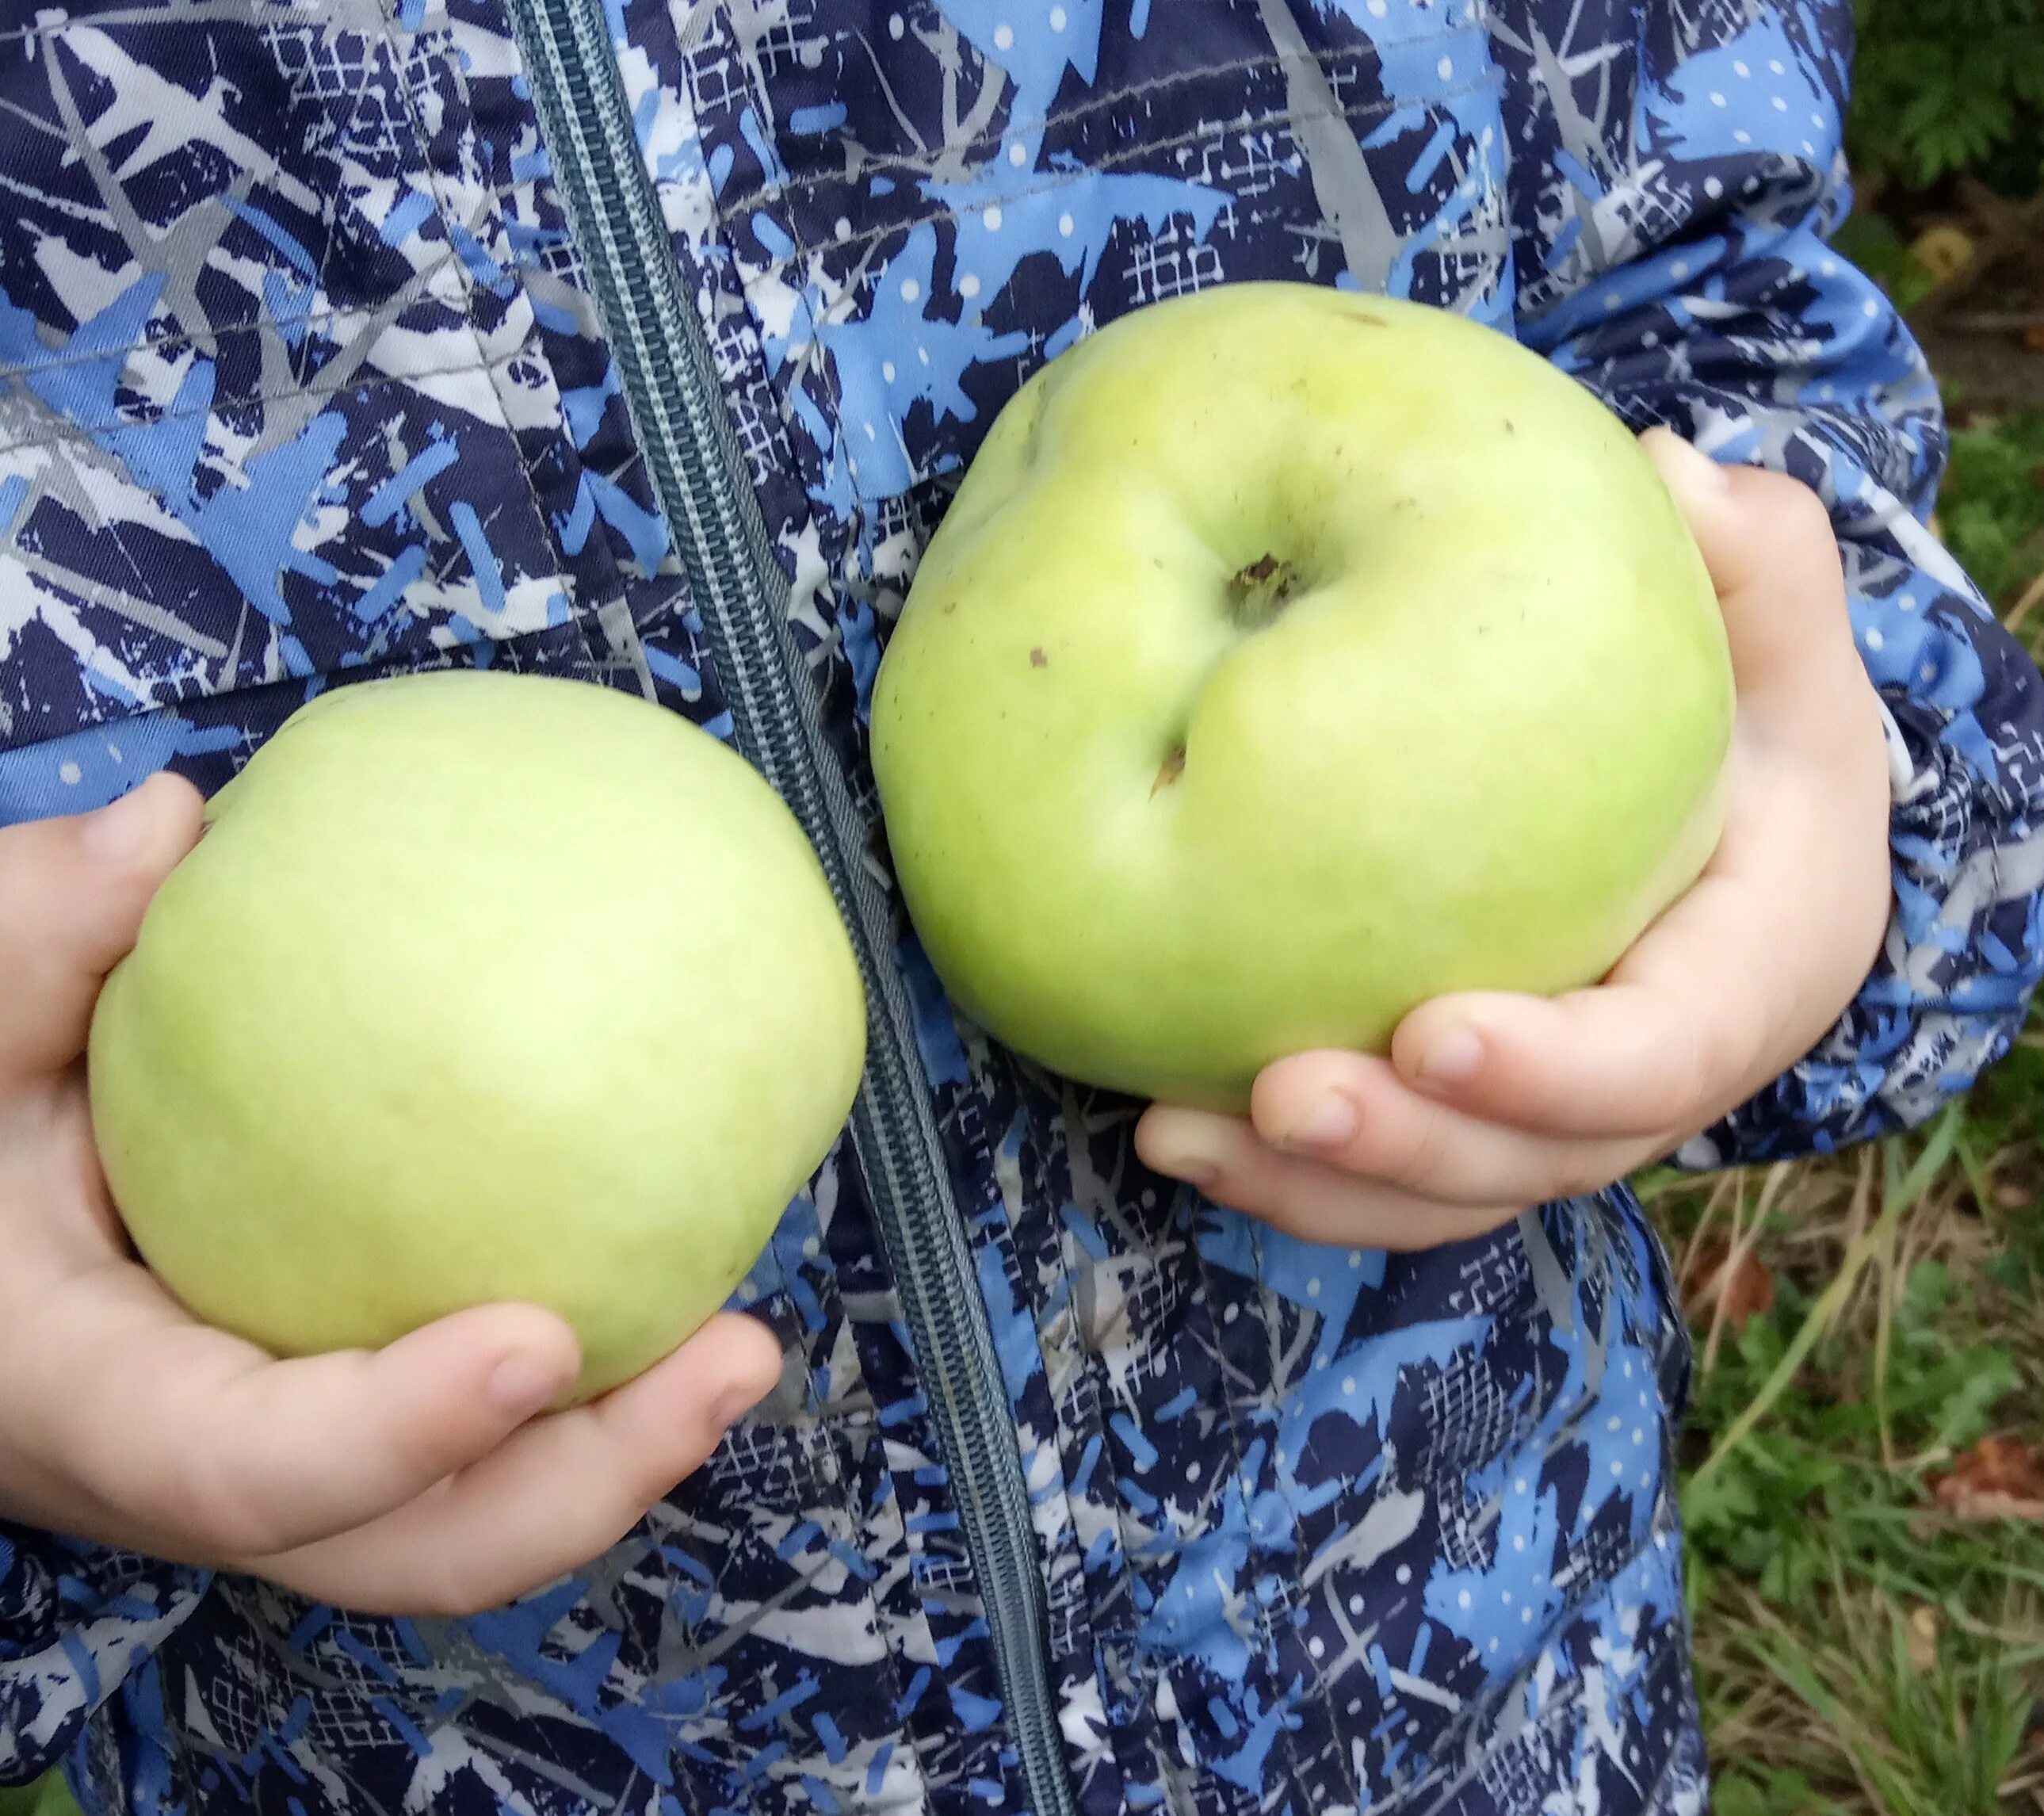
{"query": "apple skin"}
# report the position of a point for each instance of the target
(478, 986)
(1287, 657)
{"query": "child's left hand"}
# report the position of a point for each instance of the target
(1490, 1102)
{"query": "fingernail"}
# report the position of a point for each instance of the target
(520, 1385)
(1184, 1154)
(1329, 1122)
(120, 830)
(1453, 1059)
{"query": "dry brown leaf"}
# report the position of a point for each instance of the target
(1944, 251)
(1746, 1285)
(1923, 1638)
(1998, 1479)
(2033, 337)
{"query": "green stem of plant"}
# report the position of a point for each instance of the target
(1897, 1194)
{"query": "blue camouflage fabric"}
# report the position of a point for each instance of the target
(301, 382)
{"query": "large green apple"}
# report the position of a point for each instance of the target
(478, 986)
(1289, 656)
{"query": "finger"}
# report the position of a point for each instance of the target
(559, 1493)
(205, 1439)
(72, 896)
(57, 1219)
(1353, 1111)
(1620, 1060)
(1305, 1197)
(1647, 1053)
(1774, 559)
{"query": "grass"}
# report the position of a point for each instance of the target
(48, 1798)
(1858, 1648)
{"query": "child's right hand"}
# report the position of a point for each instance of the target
(414, 1481)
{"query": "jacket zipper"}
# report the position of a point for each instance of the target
(665, 366)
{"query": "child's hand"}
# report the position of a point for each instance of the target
(414, 1481)
(1491, 1102)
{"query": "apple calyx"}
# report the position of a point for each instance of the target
(1257, 593)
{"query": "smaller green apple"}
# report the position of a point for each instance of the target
(477, 987)
(1287, 657)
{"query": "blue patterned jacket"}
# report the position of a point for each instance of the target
(641, 340)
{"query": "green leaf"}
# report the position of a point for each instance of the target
(1962, 1417)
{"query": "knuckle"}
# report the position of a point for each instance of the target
(1417, 1153)
(1695, 1076)
(1283, 1212)
(1581, 1175)
(1323, 1207)
(1241, 1180)
(1738, 1052)
(455, 1588)
(1315, 1198)
(1801, 511)
(640, 1497)
(414, 1457)
(1785, 503)
(217, 1513)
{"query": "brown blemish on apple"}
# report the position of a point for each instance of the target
(1173, 766)
(1037, 659)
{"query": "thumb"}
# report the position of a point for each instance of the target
(72, 896)
(1774, 560)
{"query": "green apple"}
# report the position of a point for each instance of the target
(1287, 657)
(478, 986)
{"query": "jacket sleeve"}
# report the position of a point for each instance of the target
(1670, 230)
(74, 1620)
